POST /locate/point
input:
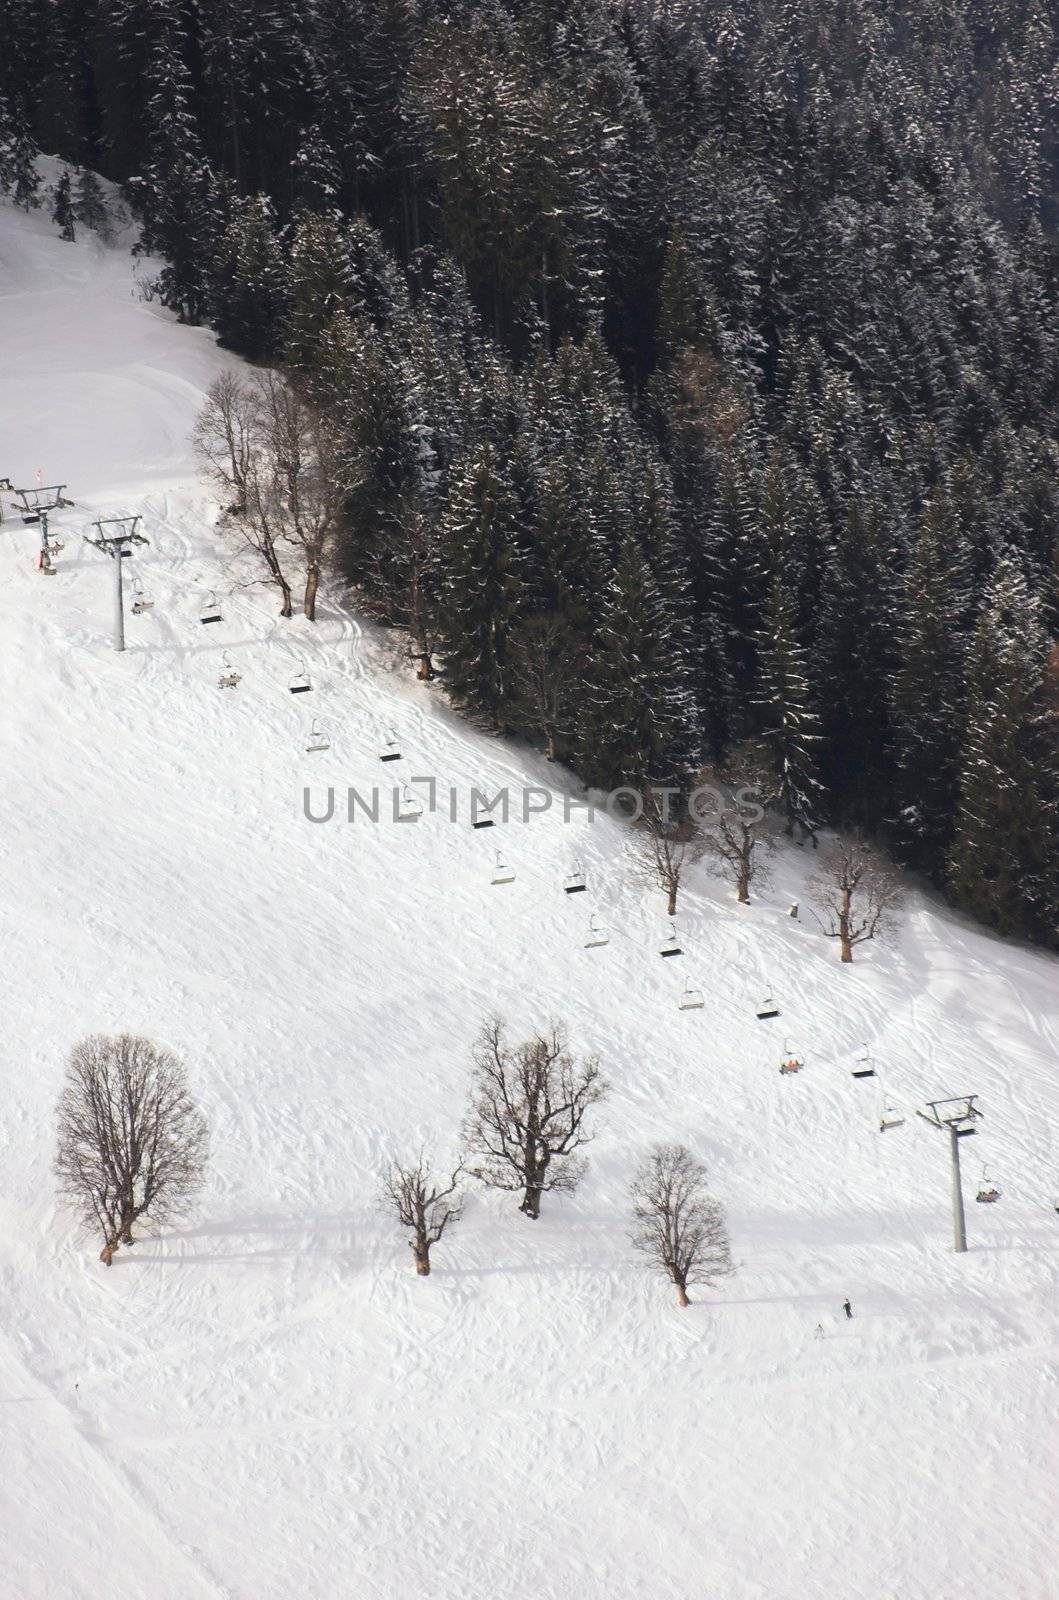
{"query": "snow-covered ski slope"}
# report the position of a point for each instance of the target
(266, 1402)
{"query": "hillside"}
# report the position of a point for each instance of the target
(266, 1402)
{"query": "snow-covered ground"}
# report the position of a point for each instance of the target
(267, 1402)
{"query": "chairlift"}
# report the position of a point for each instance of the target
(670, 946)
(211, 611)
(597, 933)
(391, 750)
(410, 809)
(988, 1192)
(317, 739)
(141, 602)
(502, 873)
(890, 1117)
(791, 1062)
(229, 678)
(863, 1066)
(483, 822)
(767, 1008)
(691, 999)
(300, 683)
(574, 882)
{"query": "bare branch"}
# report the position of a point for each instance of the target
(423, 1203)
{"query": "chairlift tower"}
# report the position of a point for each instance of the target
(957, 1117)
(118, 545)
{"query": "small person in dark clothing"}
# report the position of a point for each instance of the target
(848, 1309)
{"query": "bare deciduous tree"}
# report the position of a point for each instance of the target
(856, 891)
(305, 484)
(540, 672)
(422, 1203)
(527, 1111)
(132, 1142)
(229, 439)
(677, 1225)
(739, 835)
(663, 849)
(276, 458)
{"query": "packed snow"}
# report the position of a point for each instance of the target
(267, 1402)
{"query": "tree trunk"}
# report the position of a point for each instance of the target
(551, 749)
(106, 1255)
(421, 1252)
(531, 1202)
(682, 1293)
(312, 581)
(847, 947)
(743, 887)
(671, 904)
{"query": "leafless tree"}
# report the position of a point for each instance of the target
(132, 1142)
(539, 675)
(304, 483)
(407, 572)
(663, 848)
(855, 893)
(677, 1225)
(230, 441)
(526, 1117)
(739, 832)
(277, 459)
(422, 1203)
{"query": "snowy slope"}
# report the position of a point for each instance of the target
(266, 1402)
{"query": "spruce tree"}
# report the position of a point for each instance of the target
(789, 723)
(25, 179)
(250, 290)
(480, 599)
(928, 695)
(638, 722)
(1004, 862)
(90, 206)
(62, 208)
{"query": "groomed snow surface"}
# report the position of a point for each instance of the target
(267, 1403)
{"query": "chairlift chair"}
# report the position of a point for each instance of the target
(597, 934)
(863, 1066)
(670, 946)
(691, 999)
(391, 750)
(300, 683)
(229, 678)
(574, 882)
(211, 611)
(988, 1192)
(483, 822)
(317, 739)
(790, 1062)
(767, 1008)
(141, 602)
(502, 873)
(410, 808)
(890, 1117)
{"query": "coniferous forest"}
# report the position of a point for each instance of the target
(693, 369)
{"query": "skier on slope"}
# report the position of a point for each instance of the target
(848, 1309)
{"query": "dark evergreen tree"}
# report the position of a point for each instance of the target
(1004, 863)
(62, 206)
(480, 599)
(788, 718)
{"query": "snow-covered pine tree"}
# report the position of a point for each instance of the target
(928, 692)
(638, 720)
(25, 179)
(90, 205)
(1004, 862)
(788, 719)
(62, 206)
(480, 597)
(250, 291)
